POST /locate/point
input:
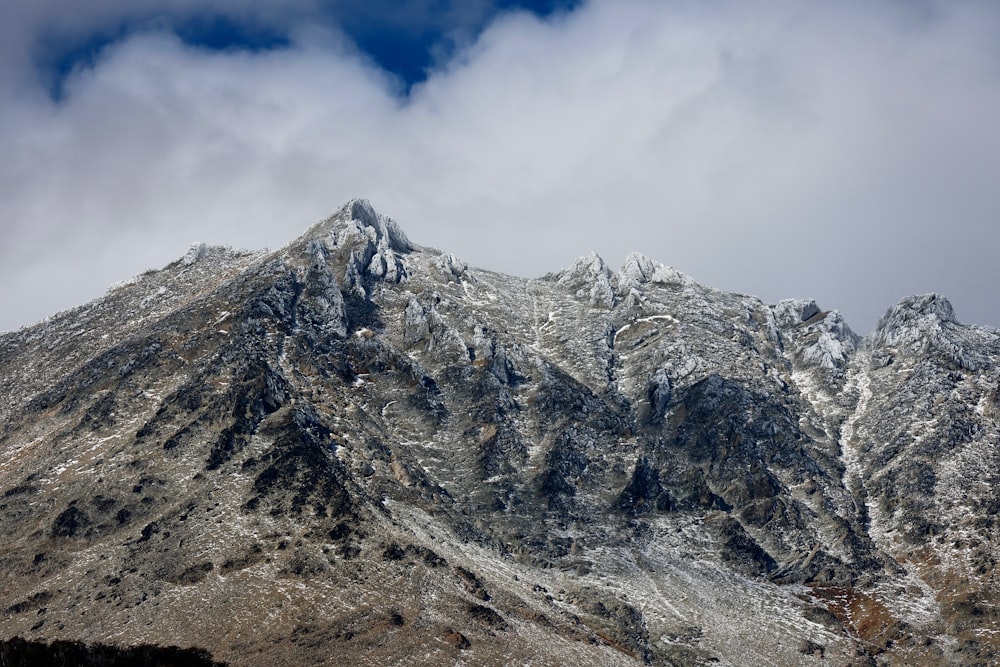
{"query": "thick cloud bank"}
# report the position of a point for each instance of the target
(847, 152)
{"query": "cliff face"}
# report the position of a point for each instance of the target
(355, 449)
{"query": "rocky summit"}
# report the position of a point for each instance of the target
(356, 450)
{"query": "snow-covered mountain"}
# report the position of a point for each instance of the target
(356, 450)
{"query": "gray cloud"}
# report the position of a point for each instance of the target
(847, 152)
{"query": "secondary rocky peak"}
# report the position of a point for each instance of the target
(453, 267)
(590, 279)
(915, 319)
(194, 253)
(587, 266)
(913, 315)
(638, 269)
(926, 325)
(201, 254)
(794, 312)
(818, 338)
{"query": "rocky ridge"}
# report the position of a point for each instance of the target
(358, 449)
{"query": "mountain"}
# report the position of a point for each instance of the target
(357, 450)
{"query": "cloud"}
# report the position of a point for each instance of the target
(845, 152)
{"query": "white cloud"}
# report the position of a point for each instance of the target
(843, 152)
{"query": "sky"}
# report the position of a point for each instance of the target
(847, 152)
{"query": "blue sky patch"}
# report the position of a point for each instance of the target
(402, 41)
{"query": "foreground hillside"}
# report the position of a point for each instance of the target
(355, 450)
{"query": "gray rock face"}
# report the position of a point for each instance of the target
(818, 339)
(639, 270)
(589, 279)
(358, 449)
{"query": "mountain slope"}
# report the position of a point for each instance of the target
(357, 449)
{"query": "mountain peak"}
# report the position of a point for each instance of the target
(822, 337)
(358, 218)
(590, 278)
(927, 325)
(372, 245)
(419, 462)
(582, 268)
(638, 269)
(923, 307)
(913, 319)
(194, 253)
(794, 312)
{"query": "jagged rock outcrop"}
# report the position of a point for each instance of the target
(354, 449)
(589, 278)
(638, 270)
(818, 341)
